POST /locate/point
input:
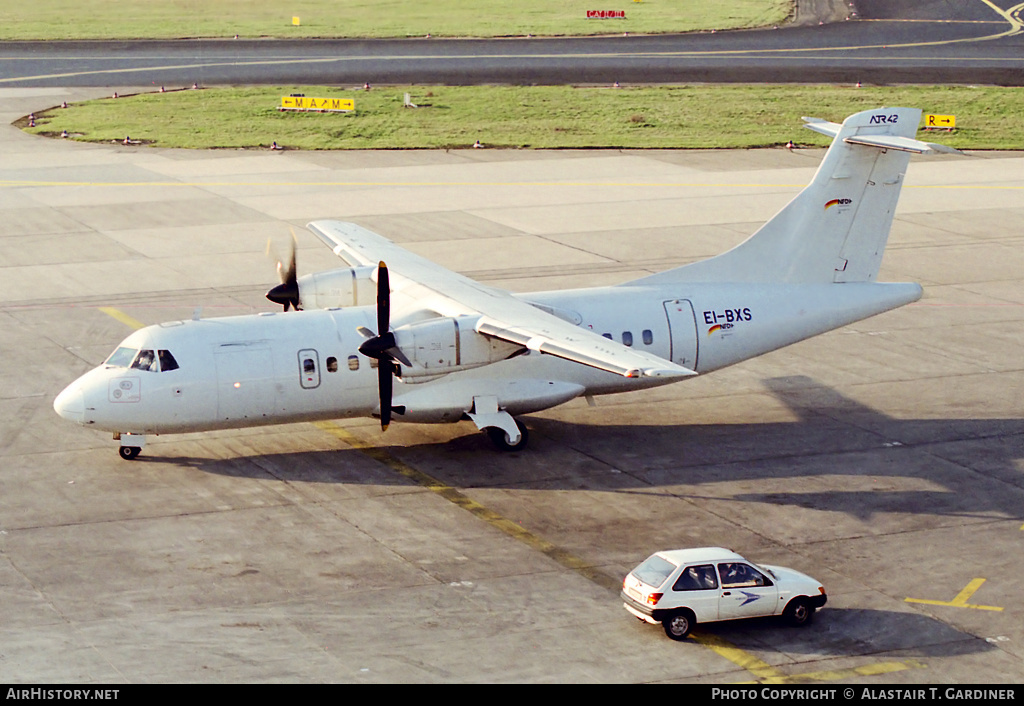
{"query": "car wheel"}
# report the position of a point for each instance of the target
(799, 612)
(678, 625)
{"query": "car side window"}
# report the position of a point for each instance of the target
(696, 578)
(740, 575)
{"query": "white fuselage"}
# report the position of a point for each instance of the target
(277, 368)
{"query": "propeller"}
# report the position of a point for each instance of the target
(383, 348)
(287, 293)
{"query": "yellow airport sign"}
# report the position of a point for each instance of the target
(939, 122)
(324, 105)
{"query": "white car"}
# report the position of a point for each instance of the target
(684, 587)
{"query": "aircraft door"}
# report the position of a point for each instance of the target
(682, 327)
(309, 369)
(245, 382)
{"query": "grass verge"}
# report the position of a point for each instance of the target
(548, 117)
(173, 19)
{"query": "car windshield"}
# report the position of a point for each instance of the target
(654, 571)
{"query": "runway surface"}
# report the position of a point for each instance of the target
(887, 41)
(885, 459)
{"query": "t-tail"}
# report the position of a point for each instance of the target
(813, 267)
(836, 229)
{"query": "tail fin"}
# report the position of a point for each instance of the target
(835, 230)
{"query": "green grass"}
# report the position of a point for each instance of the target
(704, 116)
(171, 19)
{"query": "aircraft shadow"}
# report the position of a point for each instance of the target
(976, 463)
(838, 455)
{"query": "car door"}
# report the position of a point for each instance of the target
(697, 589)
(746, 592)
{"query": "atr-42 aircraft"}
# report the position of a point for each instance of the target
(438, 347)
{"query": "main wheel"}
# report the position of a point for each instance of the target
(501, 440)
(129, 452)
(799, 612)
(678, 625)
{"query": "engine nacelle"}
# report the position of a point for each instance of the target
(338, 288)
(440, 346)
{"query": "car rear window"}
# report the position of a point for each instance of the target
(654, 571)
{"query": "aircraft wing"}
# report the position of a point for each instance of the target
(500, 315)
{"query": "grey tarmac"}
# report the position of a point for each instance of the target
(885, 459)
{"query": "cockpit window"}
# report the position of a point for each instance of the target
(145, 360)
(122, 357)
(167, 361)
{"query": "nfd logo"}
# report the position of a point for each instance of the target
(725, 319)
(838, 202)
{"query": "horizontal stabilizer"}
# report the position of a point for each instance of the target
(904, 144)
(823, 126)
(894, 142)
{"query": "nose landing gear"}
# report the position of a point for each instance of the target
(131, 445)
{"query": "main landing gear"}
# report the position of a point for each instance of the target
(503, 442)
(506, 433)
(131, 445)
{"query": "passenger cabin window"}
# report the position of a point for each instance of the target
(353, 363)
(627, 338)
(332, 364)
(309, 367)
(648, 337)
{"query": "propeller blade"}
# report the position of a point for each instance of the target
(383, 299)
(385, 385)
(287, 293)
(382, 347)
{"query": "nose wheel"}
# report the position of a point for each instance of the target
(129, 453)
(131, 445)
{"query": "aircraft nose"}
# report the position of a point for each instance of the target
(70, 404)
